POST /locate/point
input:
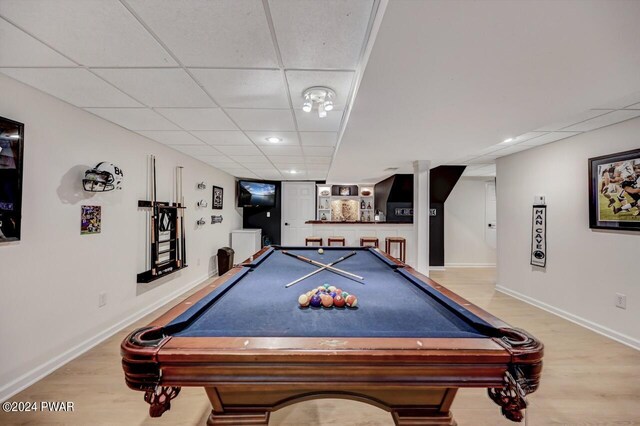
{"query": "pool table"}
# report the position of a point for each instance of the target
(407, 346)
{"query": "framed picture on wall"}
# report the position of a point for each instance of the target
(614, 191)
(217, 197)
(11, 157)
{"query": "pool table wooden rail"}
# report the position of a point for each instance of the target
(415, 378)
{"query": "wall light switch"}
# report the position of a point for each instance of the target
(621, 301)
(539, 200)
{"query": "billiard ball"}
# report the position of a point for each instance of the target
(327, 301)
(326, 285)
(344, 295)
(351, 300)
(315, 301)
(332, 288)
(320, 251)
(338, 301)
(304, 300)
(338, 291)
(333, 294)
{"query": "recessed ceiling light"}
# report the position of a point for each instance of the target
(293, 172)
(273, 139)
(507, 140)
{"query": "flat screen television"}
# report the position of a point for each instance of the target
(256, 194)
(11, 147)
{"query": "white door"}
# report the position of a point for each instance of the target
(491, 225)
(298, 206)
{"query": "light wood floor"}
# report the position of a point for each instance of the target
(587, 379)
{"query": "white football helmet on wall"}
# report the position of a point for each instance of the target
(103, 177)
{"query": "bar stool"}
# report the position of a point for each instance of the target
(402, 246)
(312, 241)
(337, 240)
(369, 242)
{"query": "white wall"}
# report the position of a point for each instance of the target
(585, 268)
(465, 225)
(50, 281)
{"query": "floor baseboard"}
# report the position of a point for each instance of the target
(605, 331)
(37, 373)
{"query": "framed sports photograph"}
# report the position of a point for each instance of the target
(217, 198)
(614, 191)
(11, 158)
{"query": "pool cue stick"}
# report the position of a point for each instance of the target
(319, 270)
(313, 262)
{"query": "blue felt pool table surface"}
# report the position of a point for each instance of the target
(391, 302)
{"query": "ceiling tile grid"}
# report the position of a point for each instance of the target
(197, 75)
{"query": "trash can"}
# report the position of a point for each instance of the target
(225, 259)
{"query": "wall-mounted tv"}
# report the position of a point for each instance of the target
(256, 194)
(11, 147)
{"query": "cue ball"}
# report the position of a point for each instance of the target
(320, 251)
(304, 300)
(351, 300)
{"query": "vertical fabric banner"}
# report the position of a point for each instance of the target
(539, 236)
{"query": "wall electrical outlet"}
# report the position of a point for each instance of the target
(102, 299)
(621, 301)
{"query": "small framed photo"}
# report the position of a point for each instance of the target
(217, 198)
(91, 220)
(614, 191)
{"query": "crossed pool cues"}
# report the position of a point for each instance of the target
(323, 266)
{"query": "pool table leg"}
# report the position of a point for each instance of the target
(239, 419)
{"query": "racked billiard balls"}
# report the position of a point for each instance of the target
(327, 301)
(351, 301)
(315, 301)
(304, 300)
(338, 301)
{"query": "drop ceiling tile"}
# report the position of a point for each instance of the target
(511, 150)
(163, 87)
(321, 151)
(286, 168)
(485, 159)
(561, 125)
(91, 32)
(489, 150)
(271, 176)
(320, 34)
(228, 33)
(281, 150)
(134, 118)
(604, 120)
(634, 106)
(623, 102)
(242, 88)
(319, 138)
(317, 167)
(21, 50)
(219, 160)
(222, 138)
(260, 170)
(339, 81)
(196, 150)
(172, 137)
(286, 159)
(245, 160)
(525, 137)
(239, 150)
(318, 160)
(262, 119)
(309, 121)
(549, 137)
(239, 172)
(260, 138)
(198, 118)
(74, 85)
